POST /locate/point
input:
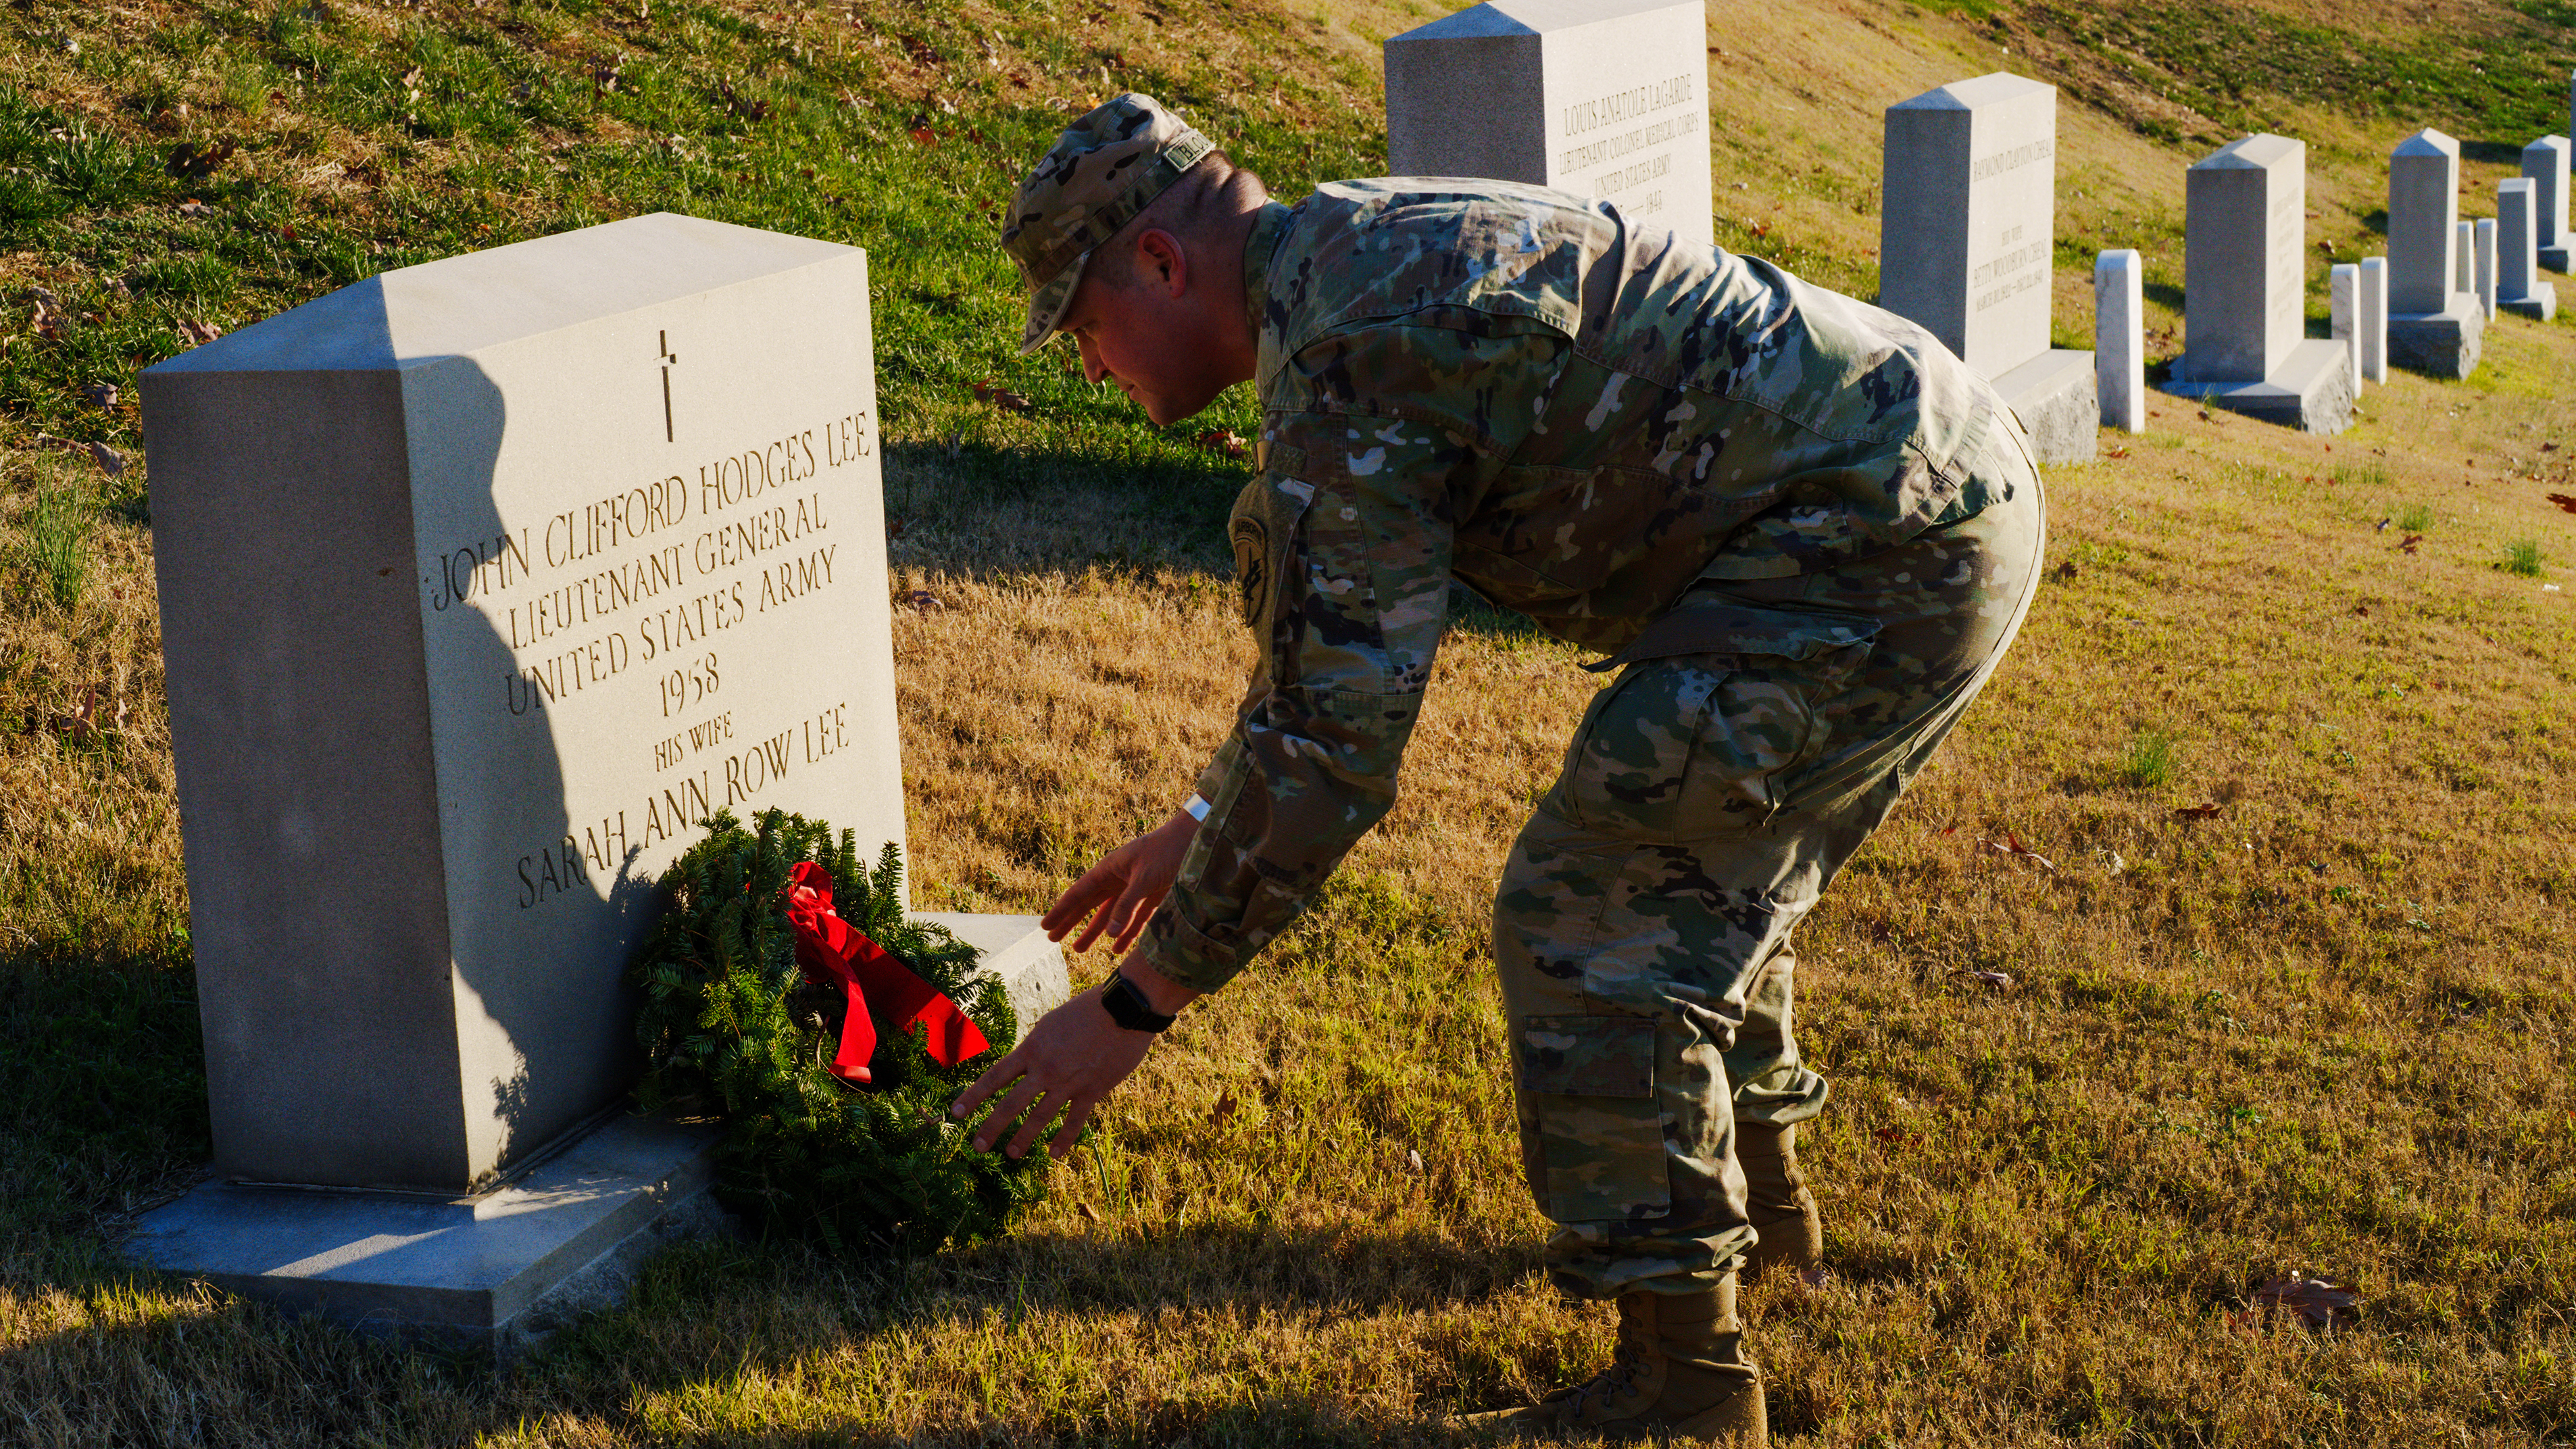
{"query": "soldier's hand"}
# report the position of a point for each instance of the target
(1124, 888)
(1072, 1058)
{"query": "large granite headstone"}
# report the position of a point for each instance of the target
(2434, 324)
(1604, 98)
(482, 583)
(2544, 165)
(2518, 286)
(1967, 238)
(2244, 281)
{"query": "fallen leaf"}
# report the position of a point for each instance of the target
(1088, 1211)
(1224, 440)
(2011, 845)
(2065, 572)
(2549, 447)
(109, 460)
(923, 135)
(190, 159)
(1991, 980)
(2318, 1303)
(2362, 609)
(2564, 502)
(2407, 544)
(1002, 397)
(1413, 1162)
(1814, 1279)
(192, 207)
(100, 394)
(288, 231)
(924, 601)
(1224, 1107)
(2117, 453)
(2197, 812)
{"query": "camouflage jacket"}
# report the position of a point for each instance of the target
(1513, 388)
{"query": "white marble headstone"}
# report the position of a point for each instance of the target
(2423, 210)
(2545, 166)
(483, 582)
(2119, 339)
(1967, 230)
(2244, 259)
(1604, 98)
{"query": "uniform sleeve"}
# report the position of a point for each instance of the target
(1342, 549)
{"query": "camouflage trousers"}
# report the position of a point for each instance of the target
(1712, 791)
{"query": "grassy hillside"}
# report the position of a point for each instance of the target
(2294, 989)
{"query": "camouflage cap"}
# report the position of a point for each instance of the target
(1098, 175)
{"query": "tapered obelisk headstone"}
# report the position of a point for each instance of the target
(2545, 166)
(2120, 339)
(2434, 324)
(2518, 286)
(2244, 275)
(1967, 237)
(1604, 98)
(483, 582)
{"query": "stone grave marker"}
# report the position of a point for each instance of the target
(2374, 320)
(2518, 286)
(2434, 324)
(2483, 250)
(2244, 279)
(2544, 165)
(1604, 98)
(2343, 297)
(482, 583)
(2120, 339)
(1967, 237)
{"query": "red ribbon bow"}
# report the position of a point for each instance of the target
(832, 951)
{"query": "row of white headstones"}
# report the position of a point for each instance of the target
(1607, 99)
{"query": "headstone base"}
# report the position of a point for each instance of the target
(1016, 949)
(500, 1270)
(2058, 400)
(2540, 303)
(2312, 390)
(504, 1269)
(2557, 259)
(2441, 344)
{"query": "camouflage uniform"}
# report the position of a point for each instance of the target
(1802, 530)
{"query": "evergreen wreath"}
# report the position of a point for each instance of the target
(731, 1028)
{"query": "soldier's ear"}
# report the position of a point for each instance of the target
(1163, 262)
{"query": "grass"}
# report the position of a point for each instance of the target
(2522, 558)
(2323, 1025)
(57, 542)
(2413, 517)
(2148, 763)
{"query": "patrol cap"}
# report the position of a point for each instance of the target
(1098, 175)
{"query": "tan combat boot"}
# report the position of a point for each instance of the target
(1783, 1212)
(1680, 1377)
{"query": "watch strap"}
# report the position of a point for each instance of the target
(1128, 1007)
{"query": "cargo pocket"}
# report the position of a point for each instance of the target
(1589, 1094)
(1716, 703)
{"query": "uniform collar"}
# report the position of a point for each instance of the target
(1258, 246)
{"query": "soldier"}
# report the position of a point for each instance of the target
(1802, 532)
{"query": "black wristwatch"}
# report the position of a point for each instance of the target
(1128, 1007)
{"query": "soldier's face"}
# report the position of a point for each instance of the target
(1153, 336)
